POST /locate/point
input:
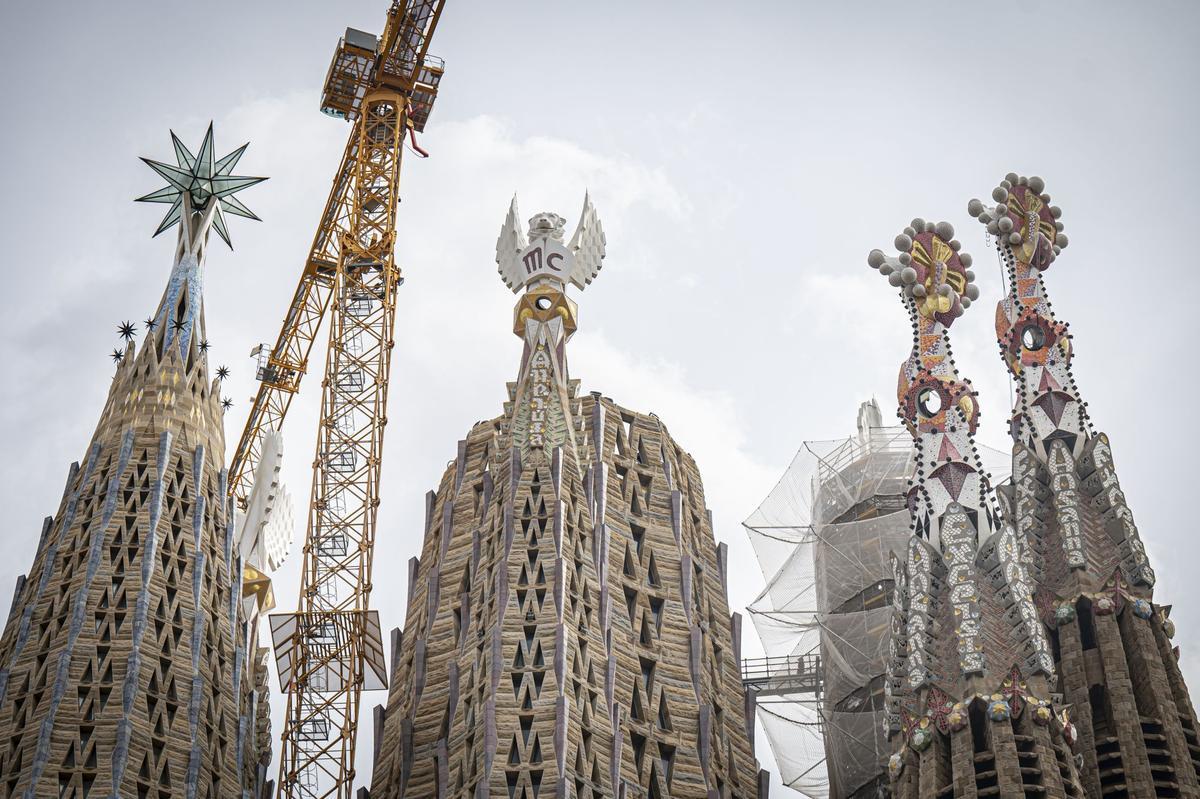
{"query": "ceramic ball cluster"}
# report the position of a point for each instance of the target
(957, 718)
(921, 736)
(914, 279)
(998, 709)
(1005, 221)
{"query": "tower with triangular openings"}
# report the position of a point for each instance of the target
(568, 631)
(127, 666)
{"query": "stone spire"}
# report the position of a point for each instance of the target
(971, 671)
(1117, 670)
(126, 668)
(568, 631)
(545, 318)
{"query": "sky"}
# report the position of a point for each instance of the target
(744, 158)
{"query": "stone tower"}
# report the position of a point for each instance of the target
(568, 632)
(971, 669)
(126, 665)
(1111, 642)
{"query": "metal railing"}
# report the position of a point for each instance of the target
(788, 674)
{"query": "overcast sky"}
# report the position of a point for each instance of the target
(744, 157)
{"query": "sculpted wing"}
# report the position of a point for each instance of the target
(587, 244)
(509, 246)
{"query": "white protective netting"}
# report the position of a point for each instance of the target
(823, 538)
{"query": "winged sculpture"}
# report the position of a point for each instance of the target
(523, 260)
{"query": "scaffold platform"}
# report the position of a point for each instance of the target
(777, 676)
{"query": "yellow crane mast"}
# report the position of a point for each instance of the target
(330, 649)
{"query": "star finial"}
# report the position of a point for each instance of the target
(126, 330)
(117, 355)
(222, 372)
(204, 345)
(151, 324)
(177, 325)
(204, 178)
(226, 403)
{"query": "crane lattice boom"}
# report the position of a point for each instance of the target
(330, 650)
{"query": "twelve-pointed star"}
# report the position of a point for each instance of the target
(150, 323)
(177, 325)
(127, 330)
(204, 177)
(222, 372)
(226, 403)
(117, 356)
(204, 345)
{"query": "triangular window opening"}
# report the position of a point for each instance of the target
(646, 638)
(639, 749)
(656, 610)
(526, 726)
(664, 716)
(535, 754)
(652, 792)
(628, 568)
(631, 596)
(514, 753)
(635, 707)
(648, 667)
(639, 537)
(666, 755)
(652, 572)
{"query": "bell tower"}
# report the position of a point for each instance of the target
(1094, 585)
(971, 671)
(568, 631)
(128, 666)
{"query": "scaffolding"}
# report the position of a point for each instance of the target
(824, 538)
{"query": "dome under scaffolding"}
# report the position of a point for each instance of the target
(824, 538)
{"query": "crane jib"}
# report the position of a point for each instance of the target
(331, 649)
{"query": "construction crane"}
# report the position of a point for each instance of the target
(330, 649)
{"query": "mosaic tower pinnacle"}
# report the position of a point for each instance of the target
(1094, 584)
(126, 666)
(971, 668)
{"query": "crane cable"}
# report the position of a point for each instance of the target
(412, 131)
